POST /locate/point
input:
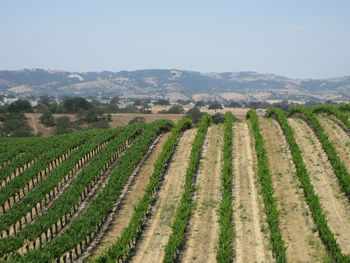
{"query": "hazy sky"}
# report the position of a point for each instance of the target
(294, 38)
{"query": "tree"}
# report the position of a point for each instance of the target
(194, 114)
(218, 118)
(114, 100)
(47, 119)
(91, 115)
(101, 124)
(15, 124)
(63, 125)
(74, 105)
(233, 104)
(200, 103)
(215, 105)
(20, 105)
(136, 120)
(45, 100)
(177, 109)
(163, 102)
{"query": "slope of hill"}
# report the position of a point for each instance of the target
(172, 84)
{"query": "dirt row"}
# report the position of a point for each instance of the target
(296, 224)
(136, 192)
(202, 236)
(158, 230)
(251, 243)
(334, 202)
(339, 138)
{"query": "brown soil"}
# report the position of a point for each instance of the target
(202, 241)
(339, 138)
(251, 243)
(33, 121)
(156, 234)
(295, 218)
(334, 202)
(134, 195)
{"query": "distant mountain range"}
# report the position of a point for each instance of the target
(173, 84)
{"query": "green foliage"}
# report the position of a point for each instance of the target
(194, 114)
(270, 203)
(215, 105)
(47, 119)
(225, 252)
(121, 247)
(199, 103)
(90, 115)
(89, 140)
(20, 105)
(99, 207)
(218, 118)
(137, 119)
(63, 125)
(101, 124)
(177, 238)
(69, 198)
(15, 124)
(177, 109)
(311, 197)
(163, 102)
(74, 105)
(114, 100)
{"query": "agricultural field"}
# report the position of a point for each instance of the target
(255, 188)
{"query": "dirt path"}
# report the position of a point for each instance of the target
(156, 234)
(134, 195)
(295, 219)
(252, 241)
(203, 234)
(339, 138)
(334, 203)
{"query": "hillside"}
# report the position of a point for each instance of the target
(172, 84)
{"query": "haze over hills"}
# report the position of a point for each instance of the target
(173, 84)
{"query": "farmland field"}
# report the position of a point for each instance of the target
(251, 189)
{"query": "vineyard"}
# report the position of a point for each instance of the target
(272, 189)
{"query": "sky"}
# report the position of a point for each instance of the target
(292, 38)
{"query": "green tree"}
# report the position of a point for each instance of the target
(200, 103)
(63, 125)
(114, 100)
(101, 124)
(20, 105)
(177, 109)
(137, 119)
(163, 102)
(74, 105)
(218, 118)
(194, 114)
(15, 124)
(47, 119)
(215, 105)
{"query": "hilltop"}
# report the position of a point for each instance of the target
(173, 84)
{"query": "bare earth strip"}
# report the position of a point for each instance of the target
(334, 202)
(250, 243)
(202, 237)
(134, 195)
(156, 234)
(295, 219)
(339, 138)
